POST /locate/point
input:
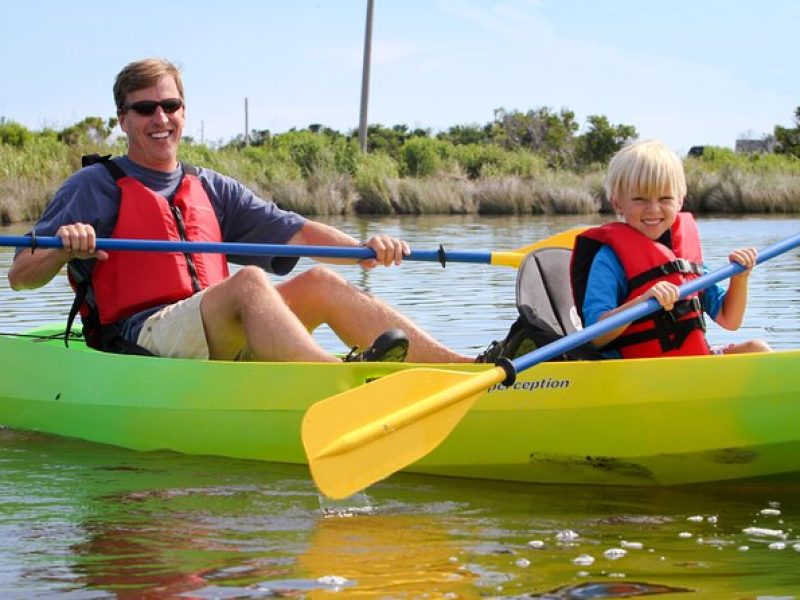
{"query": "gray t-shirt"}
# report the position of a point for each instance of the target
(91, 196)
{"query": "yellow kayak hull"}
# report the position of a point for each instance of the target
(665, 421)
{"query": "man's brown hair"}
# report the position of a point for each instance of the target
(143, 74)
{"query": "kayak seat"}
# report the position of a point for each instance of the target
(546, 309)
(544, 293)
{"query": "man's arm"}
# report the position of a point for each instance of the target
(32, 270)
(388, 250)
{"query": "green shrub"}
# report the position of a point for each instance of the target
(14, 134)
(308, 150)
(421, 157)
(373, 174)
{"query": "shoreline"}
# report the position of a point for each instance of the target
(338, 180)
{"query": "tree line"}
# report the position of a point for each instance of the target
(552, 136)
(542, 131)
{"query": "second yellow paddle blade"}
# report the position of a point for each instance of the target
(513, 258)
(364, 435)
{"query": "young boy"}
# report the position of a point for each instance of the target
(652, 251)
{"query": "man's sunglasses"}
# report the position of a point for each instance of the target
(148, 108)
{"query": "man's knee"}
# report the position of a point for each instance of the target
(249, 280)
(321, 278)
(247, 285)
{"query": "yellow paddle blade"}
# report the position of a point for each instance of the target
(364, 435)
(513, 258)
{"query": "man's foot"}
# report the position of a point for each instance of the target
(390, 346)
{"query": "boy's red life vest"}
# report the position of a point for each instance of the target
(129, 282)
(676, 257)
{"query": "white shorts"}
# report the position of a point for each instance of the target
(176, 331)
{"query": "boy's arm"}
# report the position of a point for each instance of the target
(665, 292)
(731, 314)
(607, 287)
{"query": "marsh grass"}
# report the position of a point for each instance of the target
(29, 177)
(433, 195)
(553, 193)
(734, 191)
(314, 175)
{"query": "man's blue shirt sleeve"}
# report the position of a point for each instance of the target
(246, 218)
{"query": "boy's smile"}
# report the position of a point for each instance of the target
(649, 213)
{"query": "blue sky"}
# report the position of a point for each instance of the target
(684, 71)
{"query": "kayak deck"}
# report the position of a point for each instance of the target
(661, 421)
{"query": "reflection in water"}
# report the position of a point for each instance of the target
(385, 554)
(91, 520)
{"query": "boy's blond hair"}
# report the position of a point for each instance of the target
(648, 168)
(143, 74)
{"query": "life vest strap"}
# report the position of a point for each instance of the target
(668, 327)
(679, 265)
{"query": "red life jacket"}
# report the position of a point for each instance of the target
(676, 257)
(129, 282)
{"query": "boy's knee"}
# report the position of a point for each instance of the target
(758, 346)
(747, 347)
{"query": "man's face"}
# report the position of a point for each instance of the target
(650, 214)
(153, 139)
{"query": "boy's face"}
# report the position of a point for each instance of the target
(651, 214)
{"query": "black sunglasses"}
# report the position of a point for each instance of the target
(148, 108)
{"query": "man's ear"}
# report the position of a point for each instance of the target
(121, 120)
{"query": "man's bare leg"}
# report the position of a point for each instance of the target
(320, 295)
(246, 310)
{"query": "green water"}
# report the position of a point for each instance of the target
(83, 521)
(89, 521)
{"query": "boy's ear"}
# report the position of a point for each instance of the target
(680, 202)
(615, 205)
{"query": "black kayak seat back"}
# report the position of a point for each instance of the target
(544, 293)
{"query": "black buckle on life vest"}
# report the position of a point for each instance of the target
(679, 265)
(668, 327)
(683, 307)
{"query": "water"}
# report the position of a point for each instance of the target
(468, 305)
(80, 520)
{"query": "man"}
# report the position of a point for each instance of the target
(187, 305)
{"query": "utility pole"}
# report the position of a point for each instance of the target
(362, 121)
(246, 124)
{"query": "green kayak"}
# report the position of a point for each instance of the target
(660, 421)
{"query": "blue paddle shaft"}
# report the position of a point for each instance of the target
(633, 313)
(244, 249)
